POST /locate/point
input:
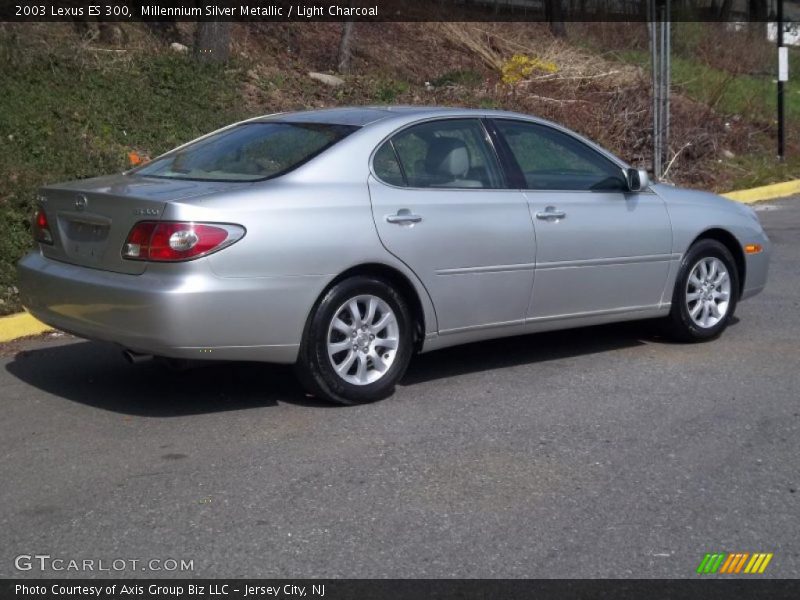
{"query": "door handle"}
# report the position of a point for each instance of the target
(550, 213)
(403, 217)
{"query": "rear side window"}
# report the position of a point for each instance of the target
(451, 153)
(552, 160)
(386, 166)
(248, 152)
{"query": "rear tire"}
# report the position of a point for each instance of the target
(705, 295)
(357, 343)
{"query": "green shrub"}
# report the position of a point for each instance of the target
(465, 77)
(387, 90)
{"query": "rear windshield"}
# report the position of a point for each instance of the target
(248, 152)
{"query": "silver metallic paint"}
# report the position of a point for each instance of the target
(480, 261)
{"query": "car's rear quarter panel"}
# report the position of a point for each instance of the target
(303, 231)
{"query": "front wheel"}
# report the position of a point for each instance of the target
(358, 342)
(706, 293)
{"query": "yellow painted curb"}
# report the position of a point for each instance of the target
(20, 325)
(765, 192)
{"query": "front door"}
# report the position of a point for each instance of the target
(600, 248)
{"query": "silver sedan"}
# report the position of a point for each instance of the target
(346, 240)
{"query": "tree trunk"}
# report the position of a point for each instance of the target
(725, 10)
(555, 16)
(212, 41)
(166, 31)
(344, 55)
(111, 34)
(758, 10)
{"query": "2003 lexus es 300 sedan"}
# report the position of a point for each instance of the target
(344, 240)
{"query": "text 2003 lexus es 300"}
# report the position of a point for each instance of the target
(345, 240)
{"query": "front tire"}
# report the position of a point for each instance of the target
(357, 343)
(706, 293)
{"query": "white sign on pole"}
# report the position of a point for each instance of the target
(783, 63)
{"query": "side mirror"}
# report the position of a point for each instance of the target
(637, 180)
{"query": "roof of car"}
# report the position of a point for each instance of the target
(365, 115)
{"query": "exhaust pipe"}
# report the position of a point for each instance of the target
(135, 358)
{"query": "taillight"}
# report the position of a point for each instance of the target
(137, 246)
(41, 228)
(171, 241)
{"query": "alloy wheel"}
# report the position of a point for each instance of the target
(363, 339)
(708, 292)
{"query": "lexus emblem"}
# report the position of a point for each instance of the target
(81, 202)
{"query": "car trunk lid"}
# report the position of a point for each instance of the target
(90, 219)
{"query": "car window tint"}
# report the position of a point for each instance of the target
(452, 153)
(552, 160)
(386, 166)
(248, 152)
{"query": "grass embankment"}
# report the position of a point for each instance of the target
(729, 93)
(753, 98)
(66, 116)
(738, 96)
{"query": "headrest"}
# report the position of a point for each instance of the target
(447, 157)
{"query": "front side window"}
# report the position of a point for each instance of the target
(248, 152)
(451, 153)
(552, 160)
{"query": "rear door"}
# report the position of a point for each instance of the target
(600, 248)
(90, 219)
(439, 206)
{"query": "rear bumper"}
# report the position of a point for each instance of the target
(178, 311)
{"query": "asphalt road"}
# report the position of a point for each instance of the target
(604, 452)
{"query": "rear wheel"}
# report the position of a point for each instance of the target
(358, 342)
(706, 293)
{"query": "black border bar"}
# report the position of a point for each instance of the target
(387, 10)
(405, 589)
